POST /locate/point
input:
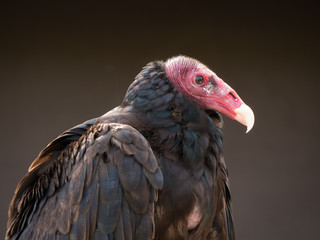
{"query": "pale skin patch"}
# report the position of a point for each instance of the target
(195, 216)
(207, 88)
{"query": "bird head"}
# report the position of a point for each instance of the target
(197, 82)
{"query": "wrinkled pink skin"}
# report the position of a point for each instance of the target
(213, 93)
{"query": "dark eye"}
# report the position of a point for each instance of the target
(199, 79)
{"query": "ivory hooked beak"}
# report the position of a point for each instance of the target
(244, 115)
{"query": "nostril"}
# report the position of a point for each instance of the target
(234, 97)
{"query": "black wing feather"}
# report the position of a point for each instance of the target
(102, 185)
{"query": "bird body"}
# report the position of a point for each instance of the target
(152, 168)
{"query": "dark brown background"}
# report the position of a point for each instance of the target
(61, 64)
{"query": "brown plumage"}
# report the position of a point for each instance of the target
(151, 168)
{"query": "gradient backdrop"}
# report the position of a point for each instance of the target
(61, 64)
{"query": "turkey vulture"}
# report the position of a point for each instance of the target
(151, 168)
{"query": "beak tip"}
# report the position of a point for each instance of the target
(250, 123)
(245, 116)
(248, 129)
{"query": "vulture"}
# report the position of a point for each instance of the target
(151, 168)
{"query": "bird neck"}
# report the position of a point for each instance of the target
(173, 124)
